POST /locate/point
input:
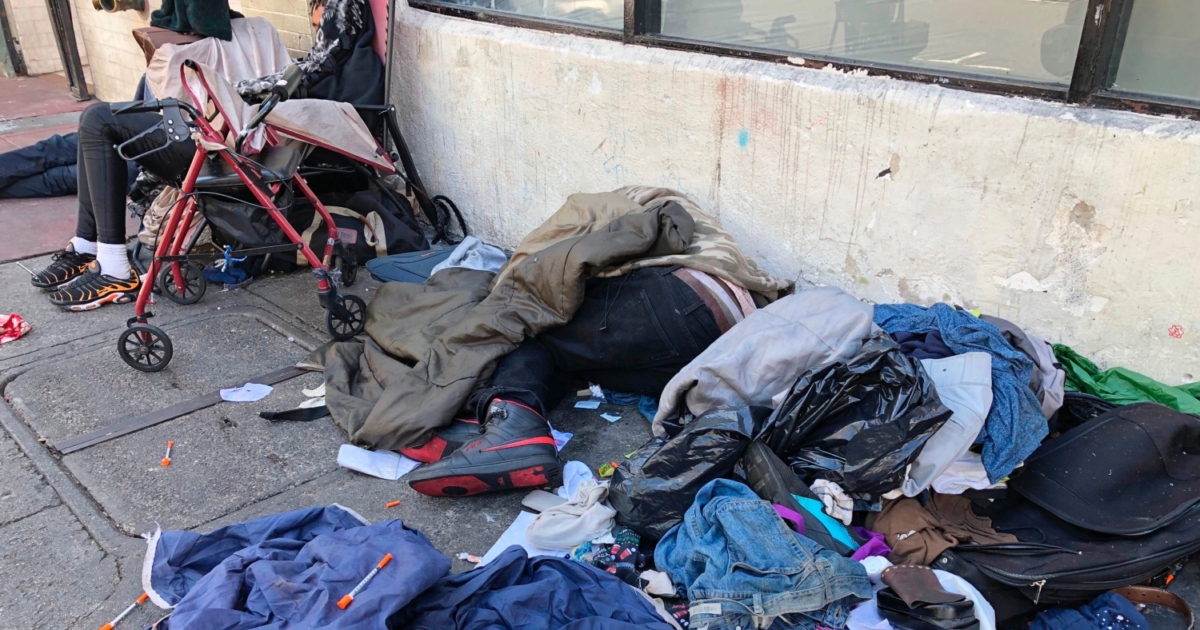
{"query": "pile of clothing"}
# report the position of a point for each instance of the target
(816, 461)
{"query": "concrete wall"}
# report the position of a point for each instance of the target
(30, 22)
(1079, 224)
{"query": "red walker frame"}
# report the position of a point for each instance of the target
(148, 348)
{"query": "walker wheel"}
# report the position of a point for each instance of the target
(194, 283)
(347, 318)
(349, 270)
(145, 348)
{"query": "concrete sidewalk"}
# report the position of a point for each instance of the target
(70, 551)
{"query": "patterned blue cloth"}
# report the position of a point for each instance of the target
(1107, 612)
(1015, 425)
(647, 405)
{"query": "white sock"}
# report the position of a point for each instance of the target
(84, 247)
(114, 261)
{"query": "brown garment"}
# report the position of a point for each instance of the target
(431, 345)
(711, 249)
(918, 534)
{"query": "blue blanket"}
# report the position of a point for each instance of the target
(288, 571)
(541, 593)
(1015, 425)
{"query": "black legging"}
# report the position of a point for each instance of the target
(103, 179)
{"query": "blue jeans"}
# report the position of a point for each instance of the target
(46, 169)
(743, 568)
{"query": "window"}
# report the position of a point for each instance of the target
(1161, 53)
(1130, 54)
(1020, 39)
(598, 13)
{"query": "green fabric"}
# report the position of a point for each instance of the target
(202, 17)
(1120, 386)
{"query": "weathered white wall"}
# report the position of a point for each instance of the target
(1078, 224)
(34, 34)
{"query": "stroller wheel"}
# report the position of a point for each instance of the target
(349, 270)
(347, 317)
(144, 347)
(194, 284)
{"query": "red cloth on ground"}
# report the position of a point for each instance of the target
(12, 327)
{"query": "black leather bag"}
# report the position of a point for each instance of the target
(1130, 471)
(1110, 503)
(1058, 564)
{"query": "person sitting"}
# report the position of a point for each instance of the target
(94, 268)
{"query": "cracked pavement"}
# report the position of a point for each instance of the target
(71, 550)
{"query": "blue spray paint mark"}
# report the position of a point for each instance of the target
(743, 138)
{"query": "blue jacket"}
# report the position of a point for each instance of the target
(288, 571)
(1015, 426)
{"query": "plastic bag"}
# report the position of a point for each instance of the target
(660, 481)
(1121, 386)
(858, 423)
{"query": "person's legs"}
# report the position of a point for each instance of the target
(633, 333)
(33, 160)
(104, 176)
(58, 181)
(103, 183)
(527, 375)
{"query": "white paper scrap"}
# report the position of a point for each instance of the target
(610, 417)
(560, 438)
(250, 392)
(588, 404)
(382, 464)
(515, 535)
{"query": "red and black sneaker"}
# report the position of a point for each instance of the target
(444, 441)
(515, 451)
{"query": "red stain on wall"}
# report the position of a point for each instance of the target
(1176, 331)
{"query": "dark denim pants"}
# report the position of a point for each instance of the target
(104, 176)
(45, 169)
(631, 334)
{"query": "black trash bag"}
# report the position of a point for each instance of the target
(658, 484)
(859, 423)
(239, 220)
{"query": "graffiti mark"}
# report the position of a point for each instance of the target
(1176, 331)
(743, 138)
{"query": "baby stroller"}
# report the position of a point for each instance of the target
(260, 148)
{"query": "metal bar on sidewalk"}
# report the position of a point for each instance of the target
(133, 425)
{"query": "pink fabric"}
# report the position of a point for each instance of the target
(12, 327)
(379, 13)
